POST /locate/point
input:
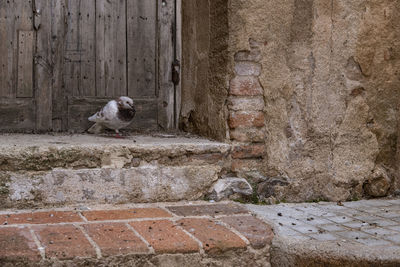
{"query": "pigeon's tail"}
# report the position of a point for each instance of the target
(94, 117)
(96, 128)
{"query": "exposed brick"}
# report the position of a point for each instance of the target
(256, 231)
(64, 242)
(238, 103)
(239, 119)
(17, 244)
(215, 237)
(248, 151)
(165, 237)
(40, 217)
(247, 68)
(211, 210)
(103, 215)
(245, 86)
(246, 55)
(246, 165)
(115, 239)
(247, 135)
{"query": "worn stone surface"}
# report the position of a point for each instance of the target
(358, 233)
(230, 188)
(66, 169)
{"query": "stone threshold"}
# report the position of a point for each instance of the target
(135, 234)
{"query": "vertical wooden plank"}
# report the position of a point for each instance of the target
(178, 56)
(142, 42)
(111, 47)
(58, 33)
(5, 51)
(87, 26)
(72, 49)
(25, 64)
(44, 68)
(166, 58)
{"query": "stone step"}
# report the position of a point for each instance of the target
(360, 233)
(177, 234)
(42, 170)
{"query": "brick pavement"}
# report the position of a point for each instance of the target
(135, 230)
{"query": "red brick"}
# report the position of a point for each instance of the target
(115, 239)
(40, 217)
(215, 237)
(248, 151)
(64, 242)
(256, 231)
(210, 210)
(17, 244)
(246, 165)
(247, 135)
(165, 237)
(239, 119)
(245, 86)
(103, 215)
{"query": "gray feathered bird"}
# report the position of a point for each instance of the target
(115, 115)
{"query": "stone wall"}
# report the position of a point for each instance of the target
(329, 72)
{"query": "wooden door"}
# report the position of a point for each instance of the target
(112, 48)
(86, 52)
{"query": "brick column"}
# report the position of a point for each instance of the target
(246, 112)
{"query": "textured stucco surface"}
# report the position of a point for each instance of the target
(330, 74)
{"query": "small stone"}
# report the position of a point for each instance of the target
(224, 188)
(378, 184)
(279, 214)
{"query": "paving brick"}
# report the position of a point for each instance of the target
(165, 237)
(305, 229)
(215, 237)
(353, 235)
(340, 219)
(64, 242)
(211, 210)
(115, 239)
(373, 242)
(126, 214)
(332, 227)
(40, 217)
(324, 237)
(242, 119)
(17, 244)
(256, 231)
(394, 227)
(394, 238)
(245, 86)
(379, 231)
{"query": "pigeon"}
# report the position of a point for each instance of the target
(115, 115)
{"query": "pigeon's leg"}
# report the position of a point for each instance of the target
(117, 135)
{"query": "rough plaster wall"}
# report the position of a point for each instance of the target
(204, 67)
(331, 81)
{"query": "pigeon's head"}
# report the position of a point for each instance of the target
(125, 102)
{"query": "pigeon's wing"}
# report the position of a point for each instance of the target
(106, 114)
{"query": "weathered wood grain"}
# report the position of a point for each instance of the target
(14, 16)
(58, 33)
(44, 68)
(166, 57)
(25, 64)
(17, 114)
(111, 47)
(142, 44)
